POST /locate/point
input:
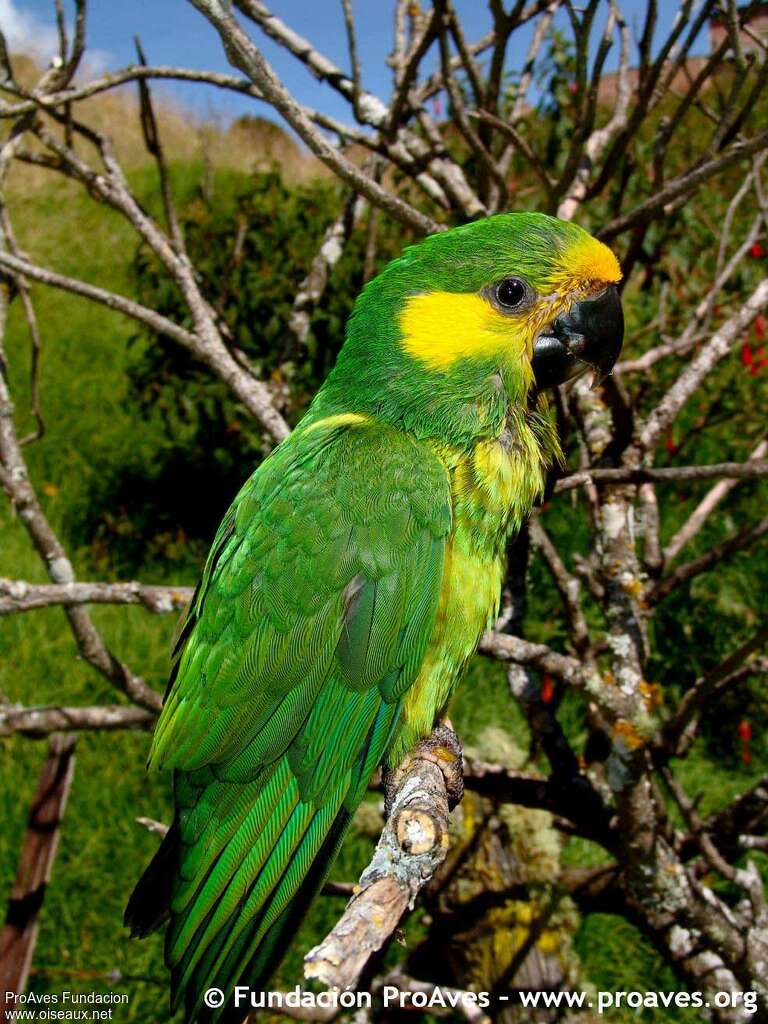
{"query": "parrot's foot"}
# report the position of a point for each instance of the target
(443, 748)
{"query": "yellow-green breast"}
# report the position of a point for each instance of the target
(493, 487)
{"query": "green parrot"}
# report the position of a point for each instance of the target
(353, 576)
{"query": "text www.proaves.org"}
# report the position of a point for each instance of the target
(605, 1001)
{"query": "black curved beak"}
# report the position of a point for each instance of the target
(588, 336)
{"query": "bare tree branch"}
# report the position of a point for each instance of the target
(311, 289)
(695, 697)
(568, 586)
(21, 596)
(738, 541)
(683, 185)
(242, 52)
(505, 647)
(251, 392)
(599, 140)
(36, 723)
(15, 481)
(680, 346)
(690, 379)
(659, 474)
(706, 506)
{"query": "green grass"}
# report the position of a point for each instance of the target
(83, 390)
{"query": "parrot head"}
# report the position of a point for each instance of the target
(474, 320)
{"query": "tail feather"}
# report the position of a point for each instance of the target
(149, 906)
(237, 914)
(222, 886)
(244, 860)
(238, 896)
(258, 952)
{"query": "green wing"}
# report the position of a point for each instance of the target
(308, 628)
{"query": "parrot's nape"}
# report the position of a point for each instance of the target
(352, 577)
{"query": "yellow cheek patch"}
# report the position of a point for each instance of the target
(442, 327)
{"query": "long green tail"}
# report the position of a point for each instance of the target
(242, 863)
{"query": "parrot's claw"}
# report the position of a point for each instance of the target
(443, 748)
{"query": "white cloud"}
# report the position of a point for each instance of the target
(25, 33)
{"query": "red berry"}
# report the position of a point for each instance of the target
(547, 689)
(757, 251)
(760, 327)
(745, 730)
(746, 355)
(670, 444)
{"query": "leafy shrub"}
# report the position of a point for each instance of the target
(252, 241)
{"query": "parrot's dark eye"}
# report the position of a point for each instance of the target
(511, 293)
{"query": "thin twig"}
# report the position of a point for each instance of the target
(244, 54)
(706, 506)
(739, 541)
(695, 697)
(661, 474)
(718, 346)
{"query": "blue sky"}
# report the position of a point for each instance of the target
(173, 32)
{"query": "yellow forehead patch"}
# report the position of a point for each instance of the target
(589, 260)
(440, 327)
